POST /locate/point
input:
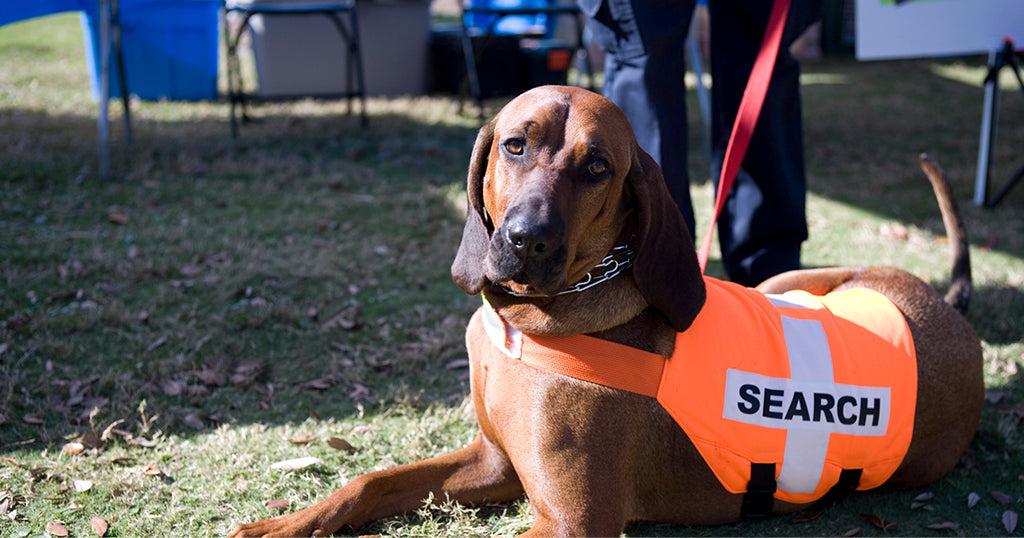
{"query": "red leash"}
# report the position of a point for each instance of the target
(746, 116)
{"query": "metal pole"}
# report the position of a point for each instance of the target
(989, 120)
(104, 125)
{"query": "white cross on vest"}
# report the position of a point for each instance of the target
(797, 403)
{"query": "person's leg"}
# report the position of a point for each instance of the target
(644, 74)
(763, 223)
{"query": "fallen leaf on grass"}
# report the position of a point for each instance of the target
(338, 443)
(57, 528)
(100, 526)
(9, 501)
(194, 421)
(82, 485)
(360, 392)
(894, 230)
(152, 470)
(457, 364)
(1001, 497)
(117, 218)
(212, 377)
(346, 319)
(73, 447)
(142, 441)
(303, 439)
(323, 383)
(1010, 521)
(921, 501)
(247, 373)
(156, 343)
(944, 525)
(277, 504)
(852, 532)
(972, 500)
(880, 523)
(295, 464)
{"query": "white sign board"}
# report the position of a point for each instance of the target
(888, 29)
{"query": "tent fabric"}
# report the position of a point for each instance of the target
(18, 11)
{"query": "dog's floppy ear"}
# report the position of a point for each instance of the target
(665, 266)
(468, 267)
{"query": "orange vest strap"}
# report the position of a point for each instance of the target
(598, 361)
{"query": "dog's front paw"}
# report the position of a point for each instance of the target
(287, 525)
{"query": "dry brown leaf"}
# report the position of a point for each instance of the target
(100, 526)
(191, 269)
(339, 443)
(117, 218)
(171, 387)
(142, 441)
(972, 500)
(57, 528)
(73, 447)
(894, 230)
(852, 532)
(277, 504)
(944, 525)
(247, 373)
(1010, 521)
(211, 377)
(360, 392)
(1001, 497)
(346, 319)
(323, 383)
(194, 421)
(156, 343)
(457, 364)
(880, 522)
(303, 439)
(152, 470)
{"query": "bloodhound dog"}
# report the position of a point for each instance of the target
(557, 186)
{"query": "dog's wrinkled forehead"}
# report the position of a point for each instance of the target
(559, 115)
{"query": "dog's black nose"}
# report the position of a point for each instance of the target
(528, 238)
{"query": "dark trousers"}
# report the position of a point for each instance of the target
(763, 223)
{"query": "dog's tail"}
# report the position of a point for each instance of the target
(959, 294)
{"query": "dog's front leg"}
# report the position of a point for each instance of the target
(477, 473)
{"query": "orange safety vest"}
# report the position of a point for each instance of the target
(812, 384)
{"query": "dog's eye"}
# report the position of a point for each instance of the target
(515, 146)
(597, 168)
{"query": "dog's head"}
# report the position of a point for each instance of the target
(556, 180)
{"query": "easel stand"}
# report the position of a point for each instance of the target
(1005, 57)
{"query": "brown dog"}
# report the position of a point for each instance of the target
(556, 182)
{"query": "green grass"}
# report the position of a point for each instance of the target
(218, 300)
